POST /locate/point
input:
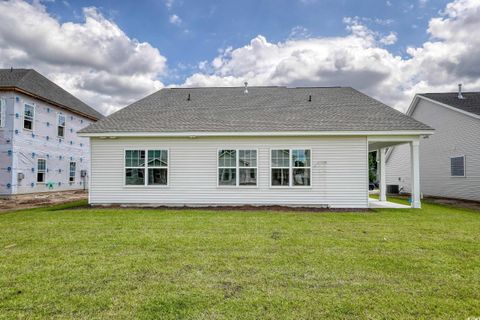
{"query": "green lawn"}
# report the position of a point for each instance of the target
(158, 264)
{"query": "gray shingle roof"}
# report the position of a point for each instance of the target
(34, 83)
(471, 103)
(262, 109)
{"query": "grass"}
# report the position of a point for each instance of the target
(86, 263)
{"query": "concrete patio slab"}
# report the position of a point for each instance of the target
(377, 204)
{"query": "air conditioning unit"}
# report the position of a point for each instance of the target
(83, 173)
(20, 176)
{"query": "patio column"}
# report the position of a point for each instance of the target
(415, 175)
(383, 178)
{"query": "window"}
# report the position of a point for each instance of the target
(156, 167)
(290, 167)
(41, 169)
(457, 166)
(72, 171)
(28, 117)
(61, 125)
(237, 167)
(3, 106)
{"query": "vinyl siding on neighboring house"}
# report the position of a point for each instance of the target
(339, 172)
(456, 134)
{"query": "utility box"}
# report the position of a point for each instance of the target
(83, 173)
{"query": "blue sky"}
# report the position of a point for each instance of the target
(207, 26)
(112, 53)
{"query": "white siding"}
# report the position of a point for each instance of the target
(455, 134)
(339, 172)
(398, 167)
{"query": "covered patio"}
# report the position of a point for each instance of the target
(381, 144)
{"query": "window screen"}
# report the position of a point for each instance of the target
(457, 166)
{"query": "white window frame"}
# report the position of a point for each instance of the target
(290, 168)
(64, 126)
(70, 172)
(3, 108)
(464, 166)
(33, 117)
(146, 167)
(237, 168)
(42, 171)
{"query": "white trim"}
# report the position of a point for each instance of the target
(237, 168)
(418, 96)
(33, 118)
(290, 168)
(464, 166)
(193, 135)
(146, 167)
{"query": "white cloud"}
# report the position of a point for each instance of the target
(94, 60)
(169, 3)
(452, 55)
(174, 19)
(299, 32)
(390, 39)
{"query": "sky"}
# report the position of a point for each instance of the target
(111, 53)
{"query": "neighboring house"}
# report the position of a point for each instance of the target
(450, 159)
(39, 147)
(239, 146)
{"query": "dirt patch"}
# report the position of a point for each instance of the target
(37, 200)
(273, 208)
(459, 203)
(474, 205)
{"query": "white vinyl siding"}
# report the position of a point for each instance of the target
(338, 170)
(456, 134)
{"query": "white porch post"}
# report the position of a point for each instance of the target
(383, 180)
(415, 175)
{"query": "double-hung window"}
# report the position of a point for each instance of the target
(61, 125)
(146, 167)
(457, 166)
(72, 171)
(28, 117)
(237, 167)
(3, 107)
(41, 170)
(290, 167)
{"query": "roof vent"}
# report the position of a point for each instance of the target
(188, 98)
(11, 69)
(460, 95)
(310, 98)
(246, 87)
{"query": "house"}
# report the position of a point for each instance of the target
(245, 146)
(450, 159)
(40, 150)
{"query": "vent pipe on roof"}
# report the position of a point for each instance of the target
(188, 98)
(460, 95)
(246, 87)
(11, 69)
(310, 98)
